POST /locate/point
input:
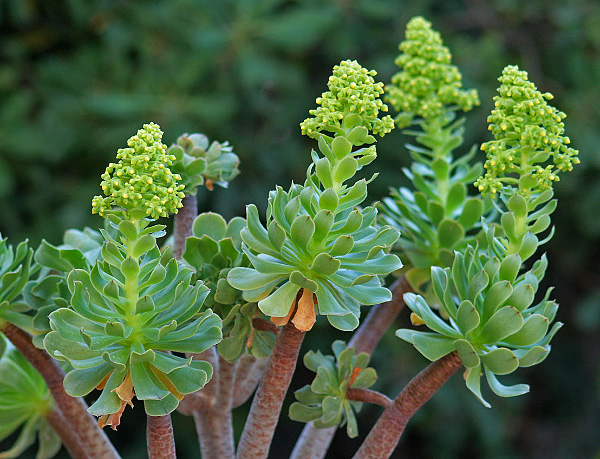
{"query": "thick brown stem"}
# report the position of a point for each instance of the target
(379, 319)
(248, 372)
(368, 396)
(206, 397)
(265, 325)
(211, 409)
(69, 438)
(159, 437)
(383, 438)
(73, 410)
(266, 406)
(182, 225)
(215, 434)
(313, 443)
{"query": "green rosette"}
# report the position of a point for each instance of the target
(213, 250)
(120, 336)
(320, 253)
(492, 321)
(25, 401)
(200, 162)
(324, 401)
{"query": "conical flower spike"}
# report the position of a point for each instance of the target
(142, 178)
(428, 82)
(528, 134)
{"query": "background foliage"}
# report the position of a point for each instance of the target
(77, 77)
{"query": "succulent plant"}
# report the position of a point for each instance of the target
(438, 216)
(25, 401)
(199, 162)
(324, 401)
(318, 249)
(15, 270)
(212, 250)
(487, 294)
(134, 306)
(428, 83)
(48, 291)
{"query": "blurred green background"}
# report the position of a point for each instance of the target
(78, 77)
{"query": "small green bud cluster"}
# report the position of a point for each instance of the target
(352, 90)
(527, 132)
(428, 82)
(142, 178)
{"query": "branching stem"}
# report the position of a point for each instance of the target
(68, 437)
(313, 443)
(368, 396)
(383, 438)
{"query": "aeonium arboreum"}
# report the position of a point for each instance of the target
(200, 162)
(319, 251)
(437, 216)
(325, 402)
(487, 294)
(135, 306)
(213, 250)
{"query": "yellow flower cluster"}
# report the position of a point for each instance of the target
(352, 90)
(142, 178)
(527, 133)
(428, 83)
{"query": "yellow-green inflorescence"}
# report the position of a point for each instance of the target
(352, 90)
(428, 82)
(528, 133)
(141, 179)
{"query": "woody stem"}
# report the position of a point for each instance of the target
(368, 396)
(73, 410)
(384, 436)
(266, 406)
(182, 225)
(314, 443)
(159, 437)
(69, 438)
